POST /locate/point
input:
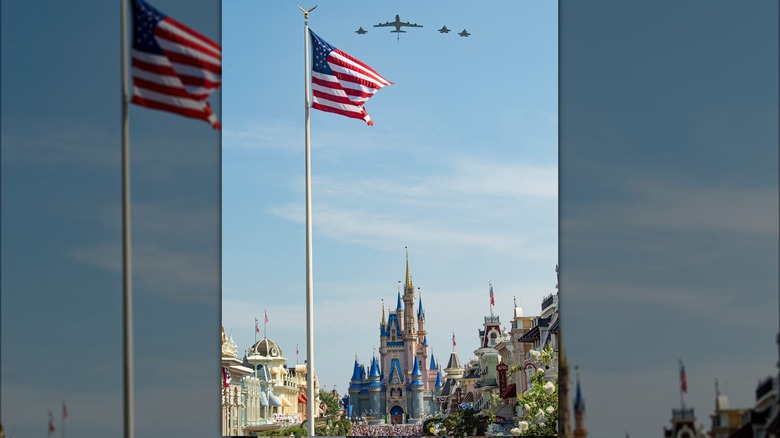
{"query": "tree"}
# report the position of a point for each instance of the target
(463, 422)
(540, 403)
(331, 401)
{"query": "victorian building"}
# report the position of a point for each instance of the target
(259, 391)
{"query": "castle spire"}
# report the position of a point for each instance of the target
(408, 285)
(420, 310)
(384, 322)
(398, 306)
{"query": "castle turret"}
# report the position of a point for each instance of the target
(417, 389)
(374, 387)
(454, 370)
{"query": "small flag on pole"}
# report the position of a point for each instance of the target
(453, 339)
(341, 84)
(257, 327)
(683, 379)
(492, 299)
(266, 317)
(64, 410)
(174, 68)
(226, 376)
(51, 423)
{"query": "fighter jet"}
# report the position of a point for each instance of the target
(464, 33)
(398, 24)
(361, 31)
(444, 30)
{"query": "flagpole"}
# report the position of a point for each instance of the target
(62, 421)
(127, 289)
(309, 273)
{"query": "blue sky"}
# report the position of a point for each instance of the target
(460, 167)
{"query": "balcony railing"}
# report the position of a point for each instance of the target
(682, 414)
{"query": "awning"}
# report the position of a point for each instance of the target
(263, 399)
(284, 400)
(510, 391)
(301, 399)
(274, 401)
(531, 335)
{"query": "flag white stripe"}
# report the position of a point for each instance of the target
(339, 105)
(357, 67)
(339, 69)
(175, 47)
(191, 37)
(184, 69)
(180, 102)
(170, 81)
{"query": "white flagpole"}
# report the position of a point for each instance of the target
(309, 273)
(127, 287)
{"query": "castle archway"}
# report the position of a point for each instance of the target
(396, 415)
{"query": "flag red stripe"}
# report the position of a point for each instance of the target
(195, 62)
(331, 109)
(195, 114)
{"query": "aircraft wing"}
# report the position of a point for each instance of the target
(404, 23)
(388, 24)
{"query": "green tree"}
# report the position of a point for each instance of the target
(331, 401)
(464, 422)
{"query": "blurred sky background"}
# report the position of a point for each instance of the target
(61, 232)
(669, 205)
(460, 167)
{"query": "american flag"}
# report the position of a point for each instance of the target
(51, 423)
(226, 376)
(453, 339)
(64, 410)
(683, 379)
(266, 317)
(492, 300)
(174, 68)
(340, 83)
(257, 328)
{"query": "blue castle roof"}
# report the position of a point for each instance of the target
(398, 306)
(392, 321)
(420, 310)
(374, 369)
(438, 379)
(356, 371)
(416, 371)
(433, 363)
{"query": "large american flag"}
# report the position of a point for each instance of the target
(340, 83)
(174, 68)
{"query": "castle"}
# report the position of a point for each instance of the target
(402, 383)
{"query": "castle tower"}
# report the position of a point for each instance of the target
(422, 345)
(579, 411)
(410, 334)
(374, 388)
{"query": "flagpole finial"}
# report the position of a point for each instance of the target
(306, 12)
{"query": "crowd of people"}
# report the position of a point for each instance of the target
(387, 430)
